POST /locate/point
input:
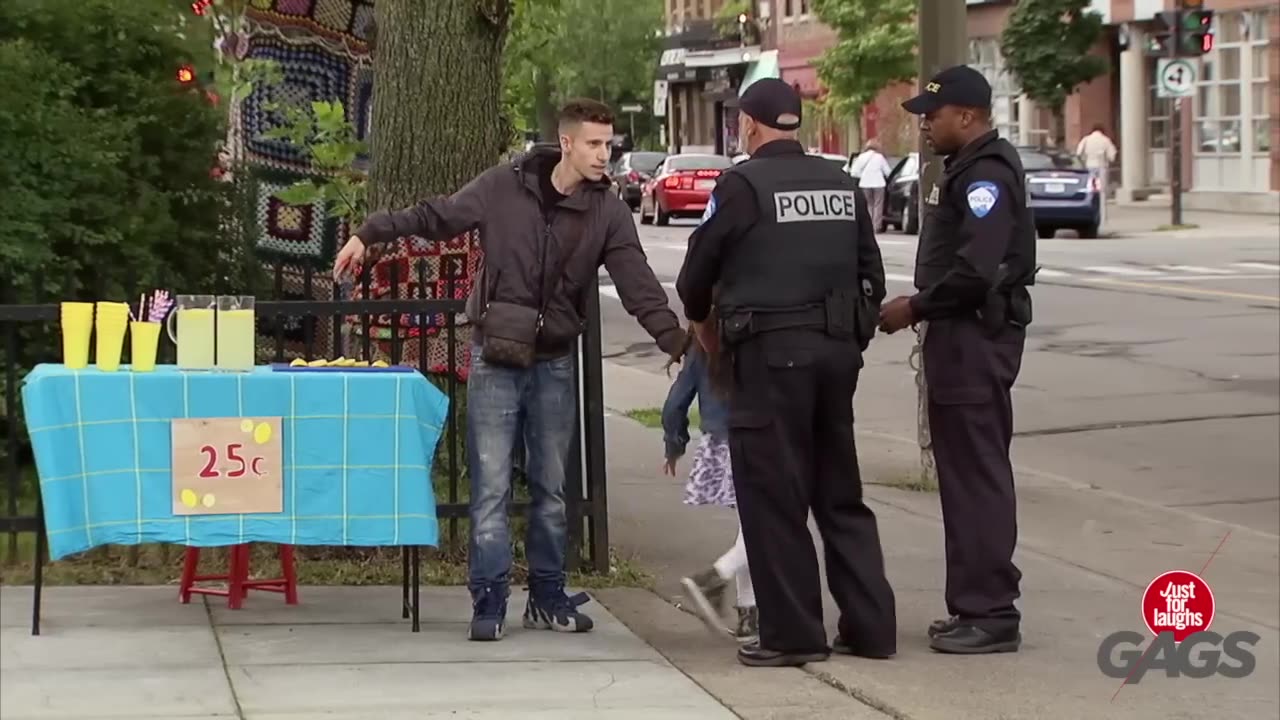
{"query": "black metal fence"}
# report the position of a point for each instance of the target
(424, 325)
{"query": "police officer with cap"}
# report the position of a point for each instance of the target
(787, 239)
(974, 262)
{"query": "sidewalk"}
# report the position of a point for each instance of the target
(1140, 220)
(1086, 556)
(342, 653)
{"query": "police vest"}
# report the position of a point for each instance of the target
(939, 236)
(804, 243)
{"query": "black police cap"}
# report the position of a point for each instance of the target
(772, 102)
(960, 85)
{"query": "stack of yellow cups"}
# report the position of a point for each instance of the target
(77, 327)
(113, 319)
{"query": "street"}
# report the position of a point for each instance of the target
(1152, 366)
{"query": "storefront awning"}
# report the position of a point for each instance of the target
(723, 57)
(764, 67)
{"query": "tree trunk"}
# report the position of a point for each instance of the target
(1059, 127)
(437, 111)
(544, 108)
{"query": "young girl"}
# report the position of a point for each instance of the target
(711, 477)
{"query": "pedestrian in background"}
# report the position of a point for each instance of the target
(1097, 152)
(872, 171)
(710, 480)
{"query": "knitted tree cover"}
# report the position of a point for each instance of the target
(323, 51)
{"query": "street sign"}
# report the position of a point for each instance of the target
(1176, 78)
(660, 89)
(632, 108)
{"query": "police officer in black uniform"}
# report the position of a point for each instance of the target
(975, 260)
(788, 240)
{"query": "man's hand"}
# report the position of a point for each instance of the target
(707, 337)
(896, 315)
(349, 259)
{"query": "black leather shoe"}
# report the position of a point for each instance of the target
(841, 647)
(966, 639)
(753, 655)
(941, 626)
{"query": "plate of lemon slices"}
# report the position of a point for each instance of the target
(342, 364)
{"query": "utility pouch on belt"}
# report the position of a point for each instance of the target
(842, 313)
(736, 328)
(1019, 308)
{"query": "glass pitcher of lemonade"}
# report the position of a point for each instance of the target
(236, 341)
(194, 315)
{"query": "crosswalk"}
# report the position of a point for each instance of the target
(1163, 273)
(1170, 272)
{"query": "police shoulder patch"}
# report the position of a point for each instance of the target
(710, 209)
(982, 196)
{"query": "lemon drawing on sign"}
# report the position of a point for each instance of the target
(208, 500)
(246, 425)
(262, 433)
(188, 497)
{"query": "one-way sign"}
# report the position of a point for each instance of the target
(1176, 78)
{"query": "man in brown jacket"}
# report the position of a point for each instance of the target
(547, 223)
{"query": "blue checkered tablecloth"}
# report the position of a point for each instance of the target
(357, 449)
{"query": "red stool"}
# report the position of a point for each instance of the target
(237, 577)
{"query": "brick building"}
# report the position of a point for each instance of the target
(1230, 128)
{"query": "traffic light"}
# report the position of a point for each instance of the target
(1195, 34)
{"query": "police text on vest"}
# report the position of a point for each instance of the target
(815, 205)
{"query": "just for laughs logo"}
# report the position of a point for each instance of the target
(1177, 608)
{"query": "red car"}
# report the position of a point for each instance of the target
(681, 187)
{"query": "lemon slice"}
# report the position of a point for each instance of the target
(380, 364)
(361, 363)
(298, 362)
(318, 363)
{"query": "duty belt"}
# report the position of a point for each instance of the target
(763, 321)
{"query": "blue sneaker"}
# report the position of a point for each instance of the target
(552, 609)
(489, 616)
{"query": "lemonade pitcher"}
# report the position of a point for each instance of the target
(236, 342)
(194, 315)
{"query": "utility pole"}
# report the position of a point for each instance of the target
(944, 42)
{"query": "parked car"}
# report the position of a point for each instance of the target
(838, 160)
(902, 196)
(681, 187)
(1061, 192)
(631, 172)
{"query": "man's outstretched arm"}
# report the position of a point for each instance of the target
(638, 288)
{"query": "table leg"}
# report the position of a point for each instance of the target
(417, 567)
(38, 581)
(404, 582)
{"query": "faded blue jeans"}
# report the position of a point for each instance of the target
(501, 402)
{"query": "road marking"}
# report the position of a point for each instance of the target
(1195, 269)
(1185, 278)
(1258, 265)
(899, 278)
(1121, 270)
(1194, 291)
(893, 242)
(1046, 272)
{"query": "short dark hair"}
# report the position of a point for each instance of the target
(585, 110)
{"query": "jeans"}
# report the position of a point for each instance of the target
(501, 402)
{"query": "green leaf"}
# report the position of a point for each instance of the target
(303, 192)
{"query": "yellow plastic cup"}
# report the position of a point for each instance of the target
(113, 320)
(144, 338)
(77, 327)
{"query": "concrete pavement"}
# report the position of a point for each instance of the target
(1086, 554)
(135, 652)
(1152, 367)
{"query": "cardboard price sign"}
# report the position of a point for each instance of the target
(227, 466)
